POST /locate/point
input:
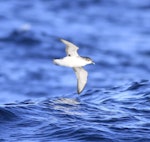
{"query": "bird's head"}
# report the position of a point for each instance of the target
(89, 60)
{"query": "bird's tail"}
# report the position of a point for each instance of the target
(56, 61)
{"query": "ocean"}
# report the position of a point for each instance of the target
(39, 101)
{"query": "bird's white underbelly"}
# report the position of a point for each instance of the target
(71, 62)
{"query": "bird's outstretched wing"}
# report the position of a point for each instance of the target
(81, 75)
(71, 49)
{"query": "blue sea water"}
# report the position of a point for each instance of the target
(38, 100)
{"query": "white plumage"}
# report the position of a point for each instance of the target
(73, 60)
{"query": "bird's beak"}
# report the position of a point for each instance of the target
(93, 63)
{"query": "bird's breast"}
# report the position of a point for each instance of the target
(71, 62)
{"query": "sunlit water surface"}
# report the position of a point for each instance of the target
(38, 100)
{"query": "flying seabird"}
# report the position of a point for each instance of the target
(73, 60)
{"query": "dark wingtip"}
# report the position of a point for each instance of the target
(79, 91)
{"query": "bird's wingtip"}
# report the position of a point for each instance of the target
(79, 91)
(62, 40)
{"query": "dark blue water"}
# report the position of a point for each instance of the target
(38, 100)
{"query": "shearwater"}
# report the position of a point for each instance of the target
(73, 60)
